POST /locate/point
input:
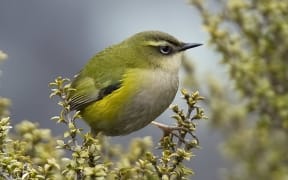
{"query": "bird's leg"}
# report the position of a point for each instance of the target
(165, 128)
(169, 130)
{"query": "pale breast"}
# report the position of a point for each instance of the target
(157, 91)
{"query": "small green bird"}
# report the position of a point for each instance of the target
(126, 86)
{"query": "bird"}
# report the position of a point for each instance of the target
(128, 85)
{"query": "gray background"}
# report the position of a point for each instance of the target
(45, 39)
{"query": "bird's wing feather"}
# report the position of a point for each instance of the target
(97, 79)
(86, 92)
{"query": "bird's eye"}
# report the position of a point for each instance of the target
(165, 50)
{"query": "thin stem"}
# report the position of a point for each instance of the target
(190, 109)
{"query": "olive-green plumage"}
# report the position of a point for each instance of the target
(126, 86)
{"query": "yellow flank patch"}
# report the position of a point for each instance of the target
(104, 112)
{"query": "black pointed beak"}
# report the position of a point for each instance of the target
(186, 46)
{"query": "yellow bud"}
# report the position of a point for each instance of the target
(3, 55)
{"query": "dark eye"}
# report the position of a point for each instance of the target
(165, 50)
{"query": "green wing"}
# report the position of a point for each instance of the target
(96, 80)
(85, 92)
(90, 93)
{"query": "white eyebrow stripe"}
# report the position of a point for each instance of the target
(157, 43)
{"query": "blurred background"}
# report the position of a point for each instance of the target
(46, 39)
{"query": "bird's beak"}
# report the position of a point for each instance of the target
(188, 46)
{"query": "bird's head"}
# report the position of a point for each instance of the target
(156, 49)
